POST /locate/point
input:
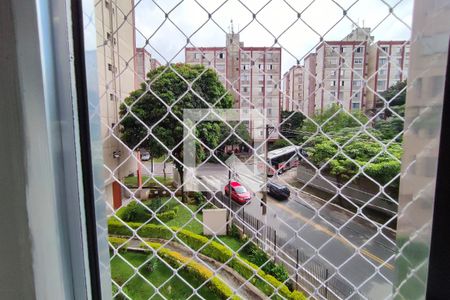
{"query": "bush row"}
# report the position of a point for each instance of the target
(265, 282)
(200, 272)
(116, 242)
(135, 212)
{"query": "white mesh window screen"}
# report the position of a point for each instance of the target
(252, 149)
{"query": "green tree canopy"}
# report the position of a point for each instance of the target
(397, 92)
(152, 119)
(335, 118)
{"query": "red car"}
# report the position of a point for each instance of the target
(239, 193)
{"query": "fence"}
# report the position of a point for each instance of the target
(306, 271)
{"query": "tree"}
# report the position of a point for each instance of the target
(151, 119)
(239, 136)
(397, 92)
(291, 123)
(335, 118)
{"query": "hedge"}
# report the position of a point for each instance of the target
(116, 242)
(176, 260)
(211, 249)
(135, 212)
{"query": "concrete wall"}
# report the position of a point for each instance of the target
(214, 221)
(360, 191)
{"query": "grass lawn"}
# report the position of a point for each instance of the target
(184, 216)
(138, 288)
(132, 181)
(234, 245)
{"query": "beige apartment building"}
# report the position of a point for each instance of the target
(251, 74)
(144, 64)
(309, 86)
(351, 72)
(341, 69)
(115, 64)
(389, 64)
(293, 84)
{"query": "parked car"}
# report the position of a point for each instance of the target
(278, 191)
(145, 156)
(239, 193)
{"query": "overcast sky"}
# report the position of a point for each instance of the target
(277, 19)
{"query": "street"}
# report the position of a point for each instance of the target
(335, 237)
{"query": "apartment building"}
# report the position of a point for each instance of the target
(115, 64)
(351, 72)
(341, 70)
(309, 84)
(144, 64)
(251, 74)
(389, 64)
(293, 84)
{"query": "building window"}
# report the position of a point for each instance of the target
(342, 82)
(384, 49)
(381, 84)
(355, 105)
(110, 67)
(332, 96)
(333, 61)
(333, 72)
(358, 61)
(356, 82)
(382, 61)
(245, 67)
(333, 83)
(245, 89)
(269, 67)
(221, 55)
(111, 97)
(342, 72)
(244, 77)
(197, 55)
(260, 78)
(261, 66)
(359, 50)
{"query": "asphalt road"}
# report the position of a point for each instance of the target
(337, 239)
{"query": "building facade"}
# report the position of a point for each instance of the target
(293, 85)
(116, 75)
(309, 86)
(251, 74)
(389, 64)
(341, 70)
(144, 64)
(351, 72)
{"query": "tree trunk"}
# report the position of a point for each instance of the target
(180, 170)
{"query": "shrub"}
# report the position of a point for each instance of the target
(258, 256)
(279, 272)
(234, 232)
(134, 212)
(167, 215)
(199, 198)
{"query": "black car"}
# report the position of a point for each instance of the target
(278, 191)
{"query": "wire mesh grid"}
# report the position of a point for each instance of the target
(327, 241)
